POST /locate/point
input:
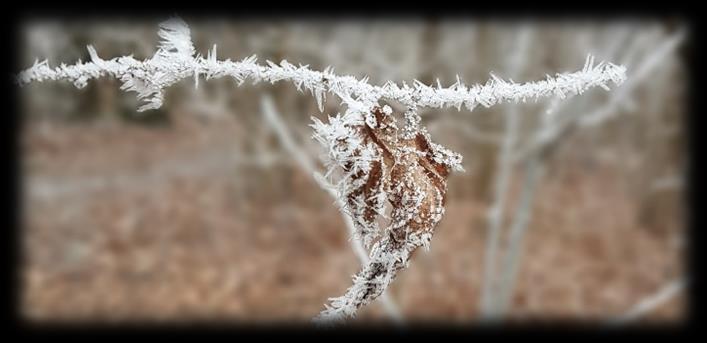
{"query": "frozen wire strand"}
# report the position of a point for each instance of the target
(176, 60)
(273, 118)
(650, 303)
(549, 135)
(504, 166)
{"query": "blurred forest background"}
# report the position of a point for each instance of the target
(198, 211)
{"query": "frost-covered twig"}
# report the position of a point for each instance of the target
(410, 172)
(275, 121)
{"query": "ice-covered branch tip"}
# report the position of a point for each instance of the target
(176, 59)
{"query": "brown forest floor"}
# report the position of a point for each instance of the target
(123, 222)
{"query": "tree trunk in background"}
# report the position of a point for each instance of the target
(488, 121)
(664, 183)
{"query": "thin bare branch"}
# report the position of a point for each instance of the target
(650, 303)
(504, 167)
(533, 172)
(275, 121)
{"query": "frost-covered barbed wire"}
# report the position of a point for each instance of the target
(176, 60)
(383, 165)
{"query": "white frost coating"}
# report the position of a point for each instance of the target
(386, 260)
(176, 60)
(382, 165)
